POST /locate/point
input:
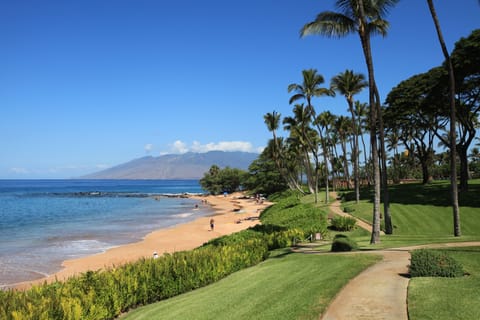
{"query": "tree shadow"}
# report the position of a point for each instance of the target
(435, 194)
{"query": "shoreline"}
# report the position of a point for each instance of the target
(228, 211)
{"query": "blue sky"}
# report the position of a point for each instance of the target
(88, 84)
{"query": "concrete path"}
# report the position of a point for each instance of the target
(335, 207)
(380, 292)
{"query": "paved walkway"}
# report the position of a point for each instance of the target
(379, 292)
(335, 207)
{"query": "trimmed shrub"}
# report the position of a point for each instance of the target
(348, 209)
(106, 294)
(434, 263)
(340, 223)
(290, 213)
(343, 243)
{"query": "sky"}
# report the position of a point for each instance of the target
(89, 84)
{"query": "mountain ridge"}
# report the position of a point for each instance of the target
(188, 165)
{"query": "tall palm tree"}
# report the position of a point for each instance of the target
(309, 88)
(323, 122)
(453, 139)
(348, 84)
(364, 17)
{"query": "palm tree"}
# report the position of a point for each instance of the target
(364, 17)
(453, 139)
(393, 140)
(309, 88)
(323, 122)
(475, 154)
(343, 129)
(272, 120)
(348, 84)
(301, 132)
(361, 112)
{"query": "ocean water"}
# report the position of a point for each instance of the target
(44, 222)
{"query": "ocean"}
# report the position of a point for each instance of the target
(44, 222)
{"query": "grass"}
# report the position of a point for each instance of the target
(286, 286)
(448, 298)
(422, 213)
(296, 286)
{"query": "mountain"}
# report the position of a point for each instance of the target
(176, 166)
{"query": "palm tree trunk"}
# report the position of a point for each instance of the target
(366, 175)
(365, 40)
(325, 159)
(386, 196)
(453, 138)
(355, 154)
(345, 163)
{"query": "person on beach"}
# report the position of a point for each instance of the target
(212, 224)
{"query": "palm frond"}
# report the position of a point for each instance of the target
(330, 24)
(296, 97)
(294, 87)
(378, 27)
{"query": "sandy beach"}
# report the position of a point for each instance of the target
(232, 213)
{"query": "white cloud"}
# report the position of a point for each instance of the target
(148, 147)
(18, 170)
(181, 147)
(222, 146)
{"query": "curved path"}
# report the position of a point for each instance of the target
(379, 292)
(335, 207)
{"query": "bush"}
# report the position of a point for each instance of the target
(343, 243)
(274, 237)
(348, 209)
(340, 223)
(290, 213)
(106, 294)
(431, 263)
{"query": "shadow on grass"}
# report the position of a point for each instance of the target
(436, 193)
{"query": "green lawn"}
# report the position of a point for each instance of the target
(448, 298)
(300, 286)
(287, 286)
(425, 211)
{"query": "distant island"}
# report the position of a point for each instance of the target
(175, 166)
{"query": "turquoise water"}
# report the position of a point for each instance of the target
(44, 222)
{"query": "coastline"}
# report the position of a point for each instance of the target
(228, 211)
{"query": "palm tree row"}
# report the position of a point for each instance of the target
(313, 136)
(317, 136)
(364, 18)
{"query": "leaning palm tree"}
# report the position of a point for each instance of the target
(453, 139)
(323, 122)
(272, 120)
(364, 17)
(309, 88)
(348, 84)
(300, 130)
